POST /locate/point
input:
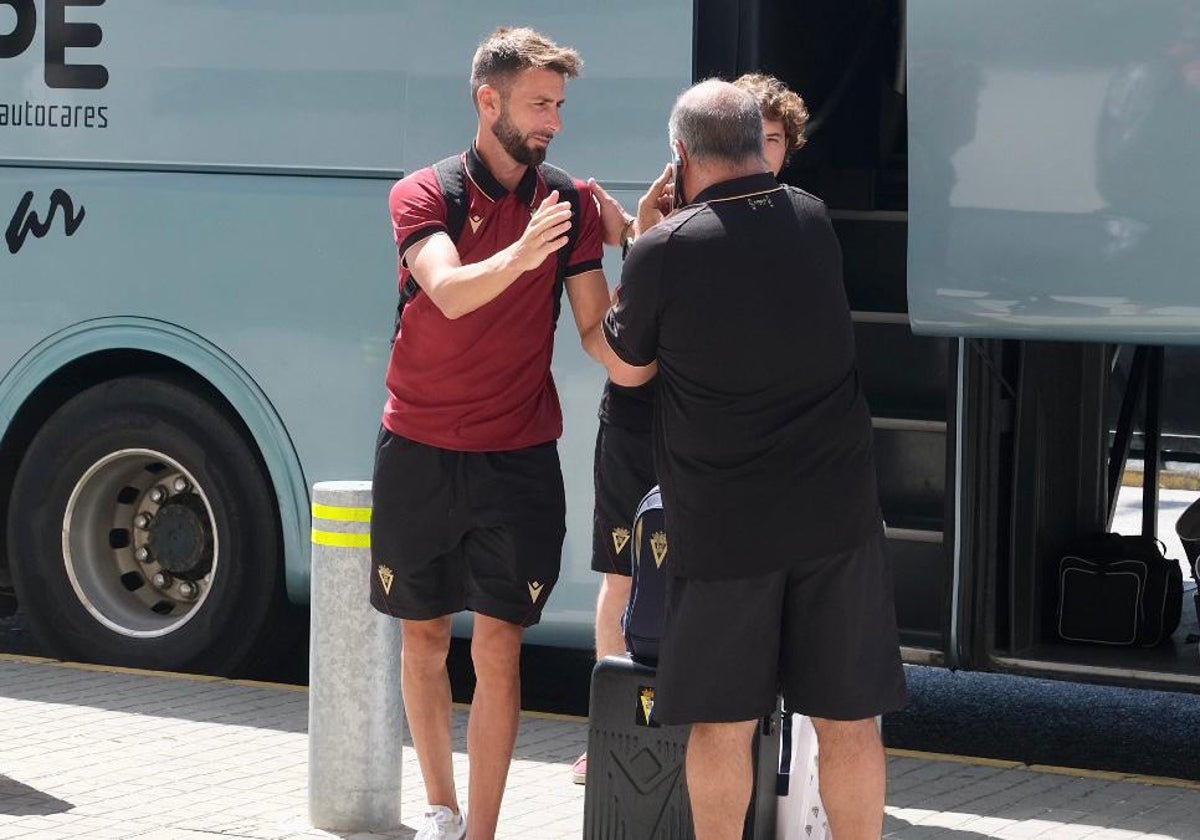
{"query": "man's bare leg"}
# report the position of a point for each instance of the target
(720, 778)
(425, 684)
(853, 773)
(610, 641)
(610, 606)
(495, 712)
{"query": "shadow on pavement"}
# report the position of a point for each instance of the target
(19, 800)
(149, 694)
(895, 828)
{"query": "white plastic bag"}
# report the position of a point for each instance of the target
(800, 815)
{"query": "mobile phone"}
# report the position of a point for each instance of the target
(677, 170)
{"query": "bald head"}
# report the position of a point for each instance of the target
(718, 123)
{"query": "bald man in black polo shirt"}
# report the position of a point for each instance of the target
(762, 444)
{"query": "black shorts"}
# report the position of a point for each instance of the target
(824, 631)
(624, 473)
(453, 531)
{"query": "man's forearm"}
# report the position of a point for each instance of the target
(596, 346)
(458, 289)
(629, 376)
(461, 290)
(619, 371)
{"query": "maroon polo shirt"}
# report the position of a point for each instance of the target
(481, 383)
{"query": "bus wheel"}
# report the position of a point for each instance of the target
(142, 531)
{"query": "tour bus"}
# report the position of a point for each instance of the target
(199, 287)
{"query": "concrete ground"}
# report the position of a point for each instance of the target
(89, 752)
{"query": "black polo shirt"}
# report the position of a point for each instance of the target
(762, 436)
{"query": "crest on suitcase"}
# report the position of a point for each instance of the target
(645, 706)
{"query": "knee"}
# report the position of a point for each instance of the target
(834, 735)
(425, 644)
(496, 649)
(722, 737)
(615, 589)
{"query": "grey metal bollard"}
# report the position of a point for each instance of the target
(355, 712)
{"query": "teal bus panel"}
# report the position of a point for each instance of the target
(1052, 169)
(213, 83)
(210, 180)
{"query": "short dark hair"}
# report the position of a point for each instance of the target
(509, 50)
(717, 121)
(778, 102)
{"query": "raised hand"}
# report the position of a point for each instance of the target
(613, 218)
(545, 233)
(656, 204)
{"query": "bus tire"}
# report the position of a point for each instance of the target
(143, 532)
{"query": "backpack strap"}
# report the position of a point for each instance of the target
(453, 185)
(453, 181)
(557, 179)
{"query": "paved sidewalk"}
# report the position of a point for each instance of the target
(100, 753)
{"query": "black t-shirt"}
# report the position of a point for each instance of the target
(627, 408)
(762, 435)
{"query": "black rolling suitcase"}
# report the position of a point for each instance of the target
(636, 788)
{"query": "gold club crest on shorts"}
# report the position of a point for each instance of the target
(620, 538)
(386, 577)
(535, 589)
(645, 705)
(658, 544)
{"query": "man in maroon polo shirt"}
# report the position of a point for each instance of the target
(469, 509)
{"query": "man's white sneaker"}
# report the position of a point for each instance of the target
(442, 824)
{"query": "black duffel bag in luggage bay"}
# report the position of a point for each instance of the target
(1118, 590)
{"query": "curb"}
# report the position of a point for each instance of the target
(1167, 479)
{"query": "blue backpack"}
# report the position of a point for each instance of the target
(643, 619)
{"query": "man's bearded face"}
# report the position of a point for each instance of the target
(517, 144)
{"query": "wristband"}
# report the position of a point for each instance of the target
(627, 237)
